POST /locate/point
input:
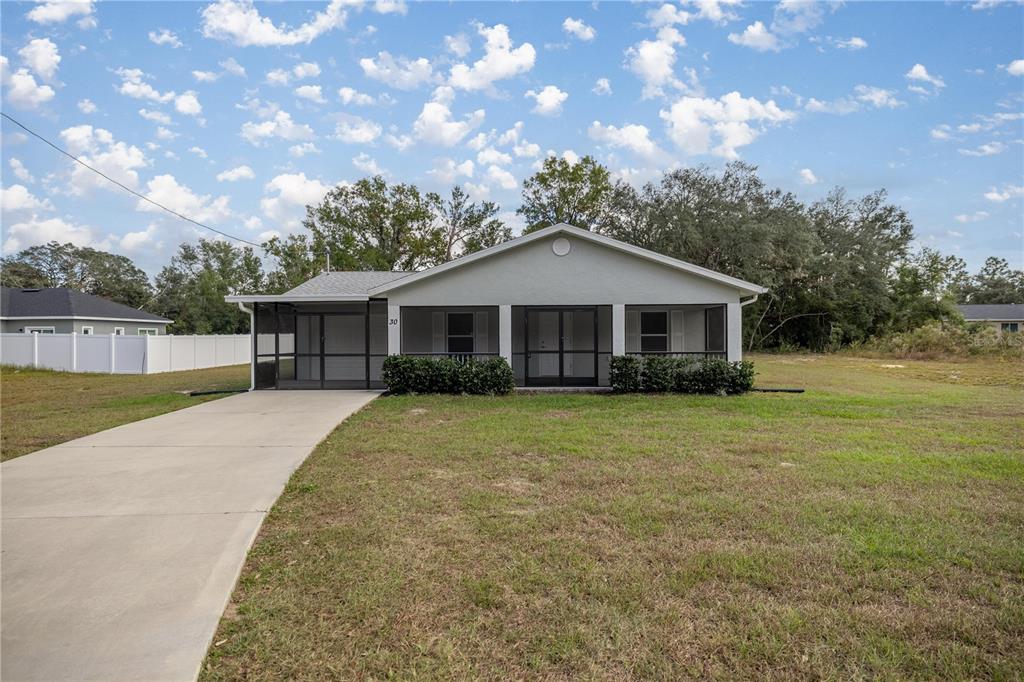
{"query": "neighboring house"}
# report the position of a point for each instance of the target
(557, 304)
(1007, 317)
(62, 311)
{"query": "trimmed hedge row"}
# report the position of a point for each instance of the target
(415, 374)
(662, 374)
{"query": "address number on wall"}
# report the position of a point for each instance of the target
(392, 321)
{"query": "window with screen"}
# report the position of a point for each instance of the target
(654, 332)
(460, 332)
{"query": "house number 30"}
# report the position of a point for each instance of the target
(392, 321)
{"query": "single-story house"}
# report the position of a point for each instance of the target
(556, 303)
(1006, 317)
(63, 311)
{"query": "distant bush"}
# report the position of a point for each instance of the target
(662, 374)
(937, 339)
(414, 374)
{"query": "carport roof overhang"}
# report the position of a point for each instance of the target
(298, 298)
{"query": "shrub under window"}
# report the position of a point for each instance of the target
(412, 374)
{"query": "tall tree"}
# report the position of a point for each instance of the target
(81, 268)
(465, 226)
(925, 288)
(995, 282)
(192, 287)
(565, 192)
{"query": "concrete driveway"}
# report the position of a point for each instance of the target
(120, 549)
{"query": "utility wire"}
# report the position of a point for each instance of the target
(124, 187)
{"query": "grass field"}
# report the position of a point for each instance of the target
(40, 408)
(871, 527)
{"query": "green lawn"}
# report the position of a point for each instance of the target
(871, 527)
(40, 408)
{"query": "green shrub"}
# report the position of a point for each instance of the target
(938, 339)
(658, 374)
(414, 374)
(715, 376)
(624, 373)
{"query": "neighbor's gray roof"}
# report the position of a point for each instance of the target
(344, 283)
(65, 303)
(993, 311)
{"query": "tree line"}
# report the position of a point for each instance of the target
(839, 270)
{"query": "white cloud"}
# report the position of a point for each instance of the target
(311, 93)
(165, 189)
(636, 138)
(199, 151)
(19, 170)
(975, 217)
(136, 241)
(59, 11)
(390, 7)
(164, 37)
(1008, 192)
(712, 10)
(879, 98)
(501, 177)
(41, 55)
(355, 130)
(401, 73)
(41, 231)
(549, 100)
(367, 164)
(205, 76)
(940, 132)
(86, 106)
(300, 150)
(134, 85)
(987, 149)
(447, 170)
(500, 61)
(98, 148)
(187, 103)
(22, 90)
(435, 124)
(808, 177)
(155, 116)
(757, 37)
(279, 77)
(490, 155)
(19, 198)
(797, 16)
(1016, 67)
(578, 29)
(863, 95)
(602, 86)
(399, 142)
(351, 96)
(693, 122)
(306, 70)
(281, 125)
(236, 174)
(239, 22)
(919, 74)
(293, 191)
(653, 61)
(458, 44)
(233, 67)
(851, 43)
(165, 133)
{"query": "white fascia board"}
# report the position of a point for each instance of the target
(298, 298)
(83, 317)
(582, 234)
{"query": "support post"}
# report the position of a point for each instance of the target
(505, 332)
(618, 329)
(35, 349)
(734, 332)
(394, 329)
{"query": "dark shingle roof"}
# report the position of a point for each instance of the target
(59, 303)
(993, 311)
(353, 283)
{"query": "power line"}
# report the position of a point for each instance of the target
(124, 187)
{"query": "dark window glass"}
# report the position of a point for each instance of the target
(653, 343)
(460, 344)
(715, 324)
(654, 323)
(460, 324)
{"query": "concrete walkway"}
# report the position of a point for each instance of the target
(120, 549)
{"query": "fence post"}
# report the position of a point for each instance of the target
(35, 349)
(113, 355)
(74, 351)
(145, 355)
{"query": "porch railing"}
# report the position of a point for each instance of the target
(681, 353)
(457, 357)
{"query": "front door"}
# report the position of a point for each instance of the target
(561, 346)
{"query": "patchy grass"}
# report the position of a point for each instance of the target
(871, 527)
(43, 408)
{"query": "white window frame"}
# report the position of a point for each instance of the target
(87, 329)
(148, 331)
(40, 330)
(1009, 327)
(667, 335)
(118, 331)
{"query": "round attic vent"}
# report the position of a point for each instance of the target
(561, 246)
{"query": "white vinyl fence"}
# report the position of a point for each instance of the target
(124, 354)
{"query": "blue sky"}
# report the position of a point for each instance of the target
(238, 113)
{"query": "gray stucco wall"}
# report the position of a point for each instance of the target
(68, 326)
(591, 274)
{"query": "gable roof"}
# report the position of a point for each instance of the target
(993, 312)
(61, 303)
(562, 228)
(345, 283)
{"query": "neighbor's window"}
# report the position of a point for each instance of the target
(118, 331)
(460, 332)
(87, 330)
(1011, 326)
(147, 331)
(653, 331)
(39, 330)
